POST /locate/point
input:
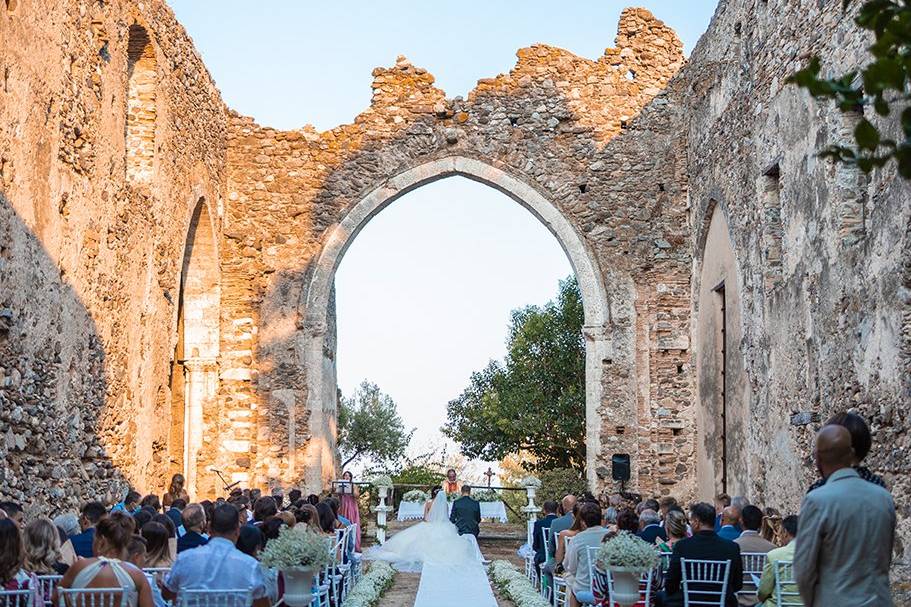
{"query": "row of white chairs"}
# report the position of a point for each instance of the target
(333, 583)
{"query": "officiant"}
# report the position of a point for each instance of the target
(451, 484)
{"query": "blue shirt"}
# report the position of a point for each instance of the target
(190, 539)
(728, 532)
(82, 543)
(218, 565)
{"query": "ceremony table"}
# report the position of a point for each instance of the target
(409, 511)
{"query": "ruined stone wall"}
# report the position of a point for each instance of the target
(821, 251)
(592, 137)
(89, 260)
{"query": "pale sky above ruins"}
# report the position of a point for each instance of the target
(417, 325)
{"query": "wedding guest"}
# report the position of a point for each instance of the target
(327, 520)
(144, 516)
(14, 513)
(578, 569)
(264, 508)
(158, 548)
(270, 528)
(83, 542)
(294, 496)
(250, 541)
(766, 590)
(537, 544)
(136, 552)
(675, 525)
(175, 512)
(175, 491)
(287, 518)
(12, 574)
(348, 508)
(771, 527)
(209, 508)
(152, 502)
(650, 528)
(68, 523)
(722, 501)
(610, 518)
(194, 522)
(750, 540)
(313, 499)
(846, 533)
(107, 569)
(561, 523)
(730, 516)
(861, 442)
(309, 515)
(628, 521)
(560, 554)
(218, 564)
(665, 504)
(278, 494)
(42, 548)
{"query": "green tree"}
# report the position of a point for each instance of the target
(534, 400)
(369, 426)
(884, 84)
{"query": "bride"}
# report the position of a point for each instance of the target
(435, 540)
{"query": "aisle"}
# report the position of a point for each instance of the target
(445, 586)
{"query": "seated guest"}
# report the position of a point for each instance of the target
(650, 527)
(785, 553)
(250, 541)
(578, 570)
(675, 526)
(537, 544)
(218, 564)
(560, 554)
(665, 504)
(650, 504)
(294, 496)
(561, 523)
(308, 515)
(158, 548)
(628, 520)
(151, 502)
(42, 548)
(278, 494)
(313, 499)
(129, 504)
(12, 574)
(861, 441)
(327, 520)
(175, 513)
(704, 545)
(270, 528)
(750, 540)
(82, 543)
(107, 569)
(722, 501)
(194, 521)
(143, 516)
(264, 508)
(14, 513)
(136, 552)
(175, 491)
(610, 518)
(730, 518)
(68, 523)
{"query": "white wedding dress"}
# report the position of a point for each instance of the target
(435, 540)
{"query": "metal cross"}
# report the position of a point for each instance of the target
(489, 474)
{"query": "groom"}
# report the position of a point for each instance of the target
(466, 513)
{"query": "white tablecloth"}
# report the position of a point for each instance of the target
(412, 510)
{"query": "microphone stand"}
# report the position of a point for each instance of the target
(227, 488)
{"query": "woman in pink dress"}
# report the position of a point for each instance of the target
(348, 494)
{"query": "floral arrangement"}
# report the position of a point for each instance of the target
(296, 547)
(486, 495)
(515, 586)
(371, 586)
(451, 497)
(381, 480)
(416, 495)
(531, 481)
(627, 550)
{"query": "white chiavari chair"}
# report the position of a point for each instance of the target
(16, 598)
(223, 597)
(704, 582)
(96, 597)
(753, 564)
(786, 593)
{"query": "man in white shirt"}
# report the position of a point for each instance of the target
(578, 572)
(219, 564)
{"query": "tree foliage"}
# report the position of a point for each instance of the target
(559, 482)
(534, 400)
(883, 84)
(369, 427)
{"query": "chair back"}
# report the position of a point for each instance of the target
(786, 593)
(704, 582)
(645, 585)
(753, 564)
(665, 563)
(223, 597)
(15, 598)
(46, 586)
(545, 535)
(96, 597)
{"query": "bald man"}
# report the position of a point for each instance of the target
(847, 527)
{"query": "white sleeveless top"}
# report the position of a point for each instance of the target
(130, 596)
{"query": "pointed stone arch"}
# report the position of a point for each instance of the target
(318, 352)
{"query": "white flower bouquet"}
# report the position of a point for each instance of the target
(486, 495)
(416, 495)
(296, 547)
(371, 586)
(515, 586)
(531, 481)
(626, 551)
(381, 480)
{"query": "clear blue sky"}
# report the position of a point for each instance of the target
(425, 291)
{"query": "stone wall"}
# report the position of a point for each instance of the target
(821, 252)
(89, 260)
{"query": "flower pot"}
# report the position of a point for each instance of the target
(298, 585)
(383, 491)
(531, 491)
(626, 585)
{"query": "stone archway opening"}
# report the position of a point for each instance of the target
(318, 337)
(142, 109)
(194, 368)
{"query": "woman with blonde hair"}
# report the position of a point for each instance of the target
(41, 540)
(176, 491)
(771, 527)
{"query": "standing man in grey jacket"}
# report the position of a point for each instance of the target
(847, 527)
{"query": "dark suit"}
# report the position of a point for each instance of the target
(651, 532)
(82, 543)
(537, 542)
(175, 515)
(190, 539)
(705, 545)
(466, 516)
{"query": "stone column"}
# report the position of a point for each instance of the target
(200, 388)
